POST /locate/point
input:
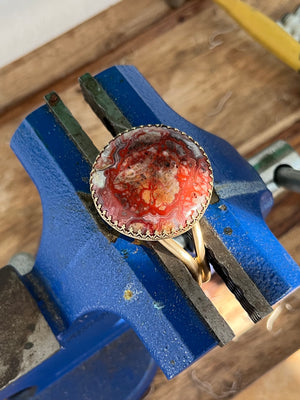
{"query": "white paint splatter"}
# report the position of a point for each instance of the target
(221, 104)
(158, 305)
(213, 42)
(208, 387)
(271, 320)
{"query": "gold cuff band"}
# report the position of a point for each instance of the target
(198, 266)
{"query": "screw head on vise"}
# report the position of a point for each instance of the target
(152, 182)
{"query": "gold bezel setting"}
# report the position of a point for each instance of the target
(157, 235)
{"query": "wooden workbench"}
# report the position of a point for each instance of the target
(211, 73)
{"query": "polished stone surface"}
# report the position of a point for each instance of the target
(151, 182)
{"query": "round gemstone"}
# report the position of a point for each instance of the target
(152, 182)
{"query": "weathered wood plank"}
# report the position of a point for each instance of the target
(226, 371)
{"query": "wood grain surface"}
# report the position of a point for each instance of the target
(80, 46)
(211, 73)
(226, 371)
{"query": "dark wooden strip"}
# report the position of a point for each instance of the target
(290, 135)
(285, 214)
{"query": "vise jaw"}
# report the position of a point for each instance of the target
(92, 284)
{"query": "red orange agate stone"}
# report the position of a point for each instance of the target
(152, 182)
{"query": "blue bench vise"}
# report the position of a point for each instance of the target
(98, 312)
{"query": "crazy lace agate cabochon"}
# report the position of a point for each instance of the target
(152, 182)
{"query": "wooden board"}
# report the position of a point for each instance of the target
(224, 372)
(81, 45)
(210, 72)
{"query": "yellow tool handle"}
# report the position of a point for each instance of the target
(265, 31)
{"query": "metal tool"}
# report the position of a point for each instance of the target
(290, 22)
(90, 283)
(279, 167)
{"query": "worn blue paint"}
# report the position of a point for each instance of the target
(237, 183)
(86, 275)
